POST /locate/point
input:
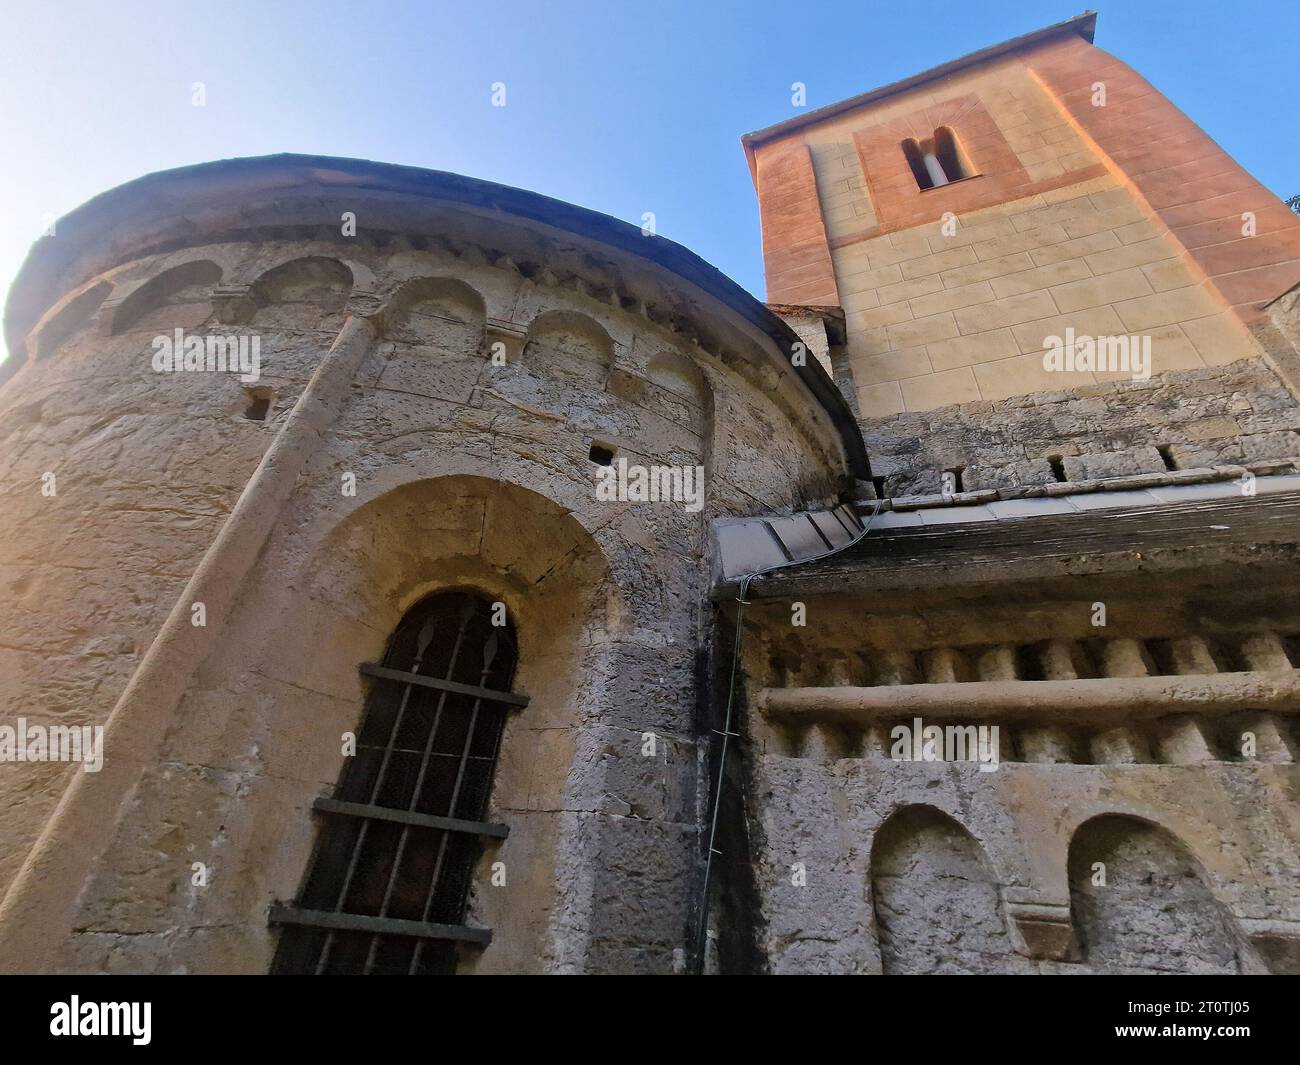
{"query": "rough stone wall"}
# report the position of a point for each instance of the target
(1219, 415)
(143, 477)
(864, 863)
(463, 473)
(937, 910)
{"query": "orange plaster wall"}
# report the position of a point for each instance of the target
(796, 256)
(1191, 183)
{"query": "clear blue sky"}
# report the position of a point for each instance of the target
(623, 107)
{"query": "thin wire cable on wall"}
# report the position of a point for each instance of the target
(702, 933)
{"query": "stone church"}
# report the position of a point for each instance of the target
(408, 574)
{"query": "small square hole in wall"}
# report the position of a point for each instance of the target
(259, 403)
(601, 454)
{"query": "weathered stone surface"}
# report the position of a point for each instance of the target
(413, 461)
(1141, 906)
(438, 399)
(936, 901)
(1202, 417)
(1112, 464)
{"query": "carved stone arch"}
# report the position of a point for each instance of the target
(180, 297)
(1140, 901)
(686, 395)
(253, 262)
(435, 536)
(424, 309)
(936, 898)
(569, 346)
(75, 315)
(282, 293)
(433, 330)
(678, 374)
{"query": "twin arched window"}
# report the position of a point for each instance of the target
(937, 160)
(390, 879)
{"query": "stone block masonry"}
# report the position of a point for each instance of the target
(1183, 420)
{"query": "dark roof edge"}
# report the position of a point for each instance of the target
(41, 280)
(1085, 25)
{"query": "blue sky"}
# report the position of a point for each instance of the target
(620, 107)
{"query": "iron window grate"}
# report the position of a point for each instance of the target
(390, 879)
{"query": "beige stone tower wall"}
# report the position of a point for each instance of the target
(941, 316)
(1093, 205)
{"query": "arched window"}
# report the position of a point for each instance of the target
(389, 882)
(948, 150)
(937, 160)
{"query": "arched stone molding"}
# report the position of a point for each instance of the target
(680, 391)
(69, 316)
(322, 283)
(1217, 856)
(421, 306)
(497, 283)
(131, 277)
(178, 297)
(552, 246)
(523, 550)
(255, 260)
(569, 346)
(433, 340)
(1042, 912)
(1141, 902)
(286, 688)
(936, 899)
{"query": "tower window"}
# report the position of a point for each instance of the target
(389, 882)
(937, 160)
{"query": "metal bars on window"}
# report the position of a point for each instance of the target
(390, 879)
